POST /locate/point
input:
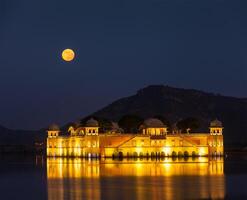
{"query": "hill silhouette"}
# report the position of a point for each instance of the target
(176, 104)
(172, 103)
(16, 141)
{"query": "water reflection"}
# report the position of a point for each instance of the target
(135, 179)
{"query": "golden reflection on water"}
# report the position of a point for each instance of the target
(76, 178)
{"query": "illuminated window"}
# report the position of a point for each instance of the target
(93, 144)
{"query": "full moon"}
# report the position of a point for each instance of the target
(68, 55)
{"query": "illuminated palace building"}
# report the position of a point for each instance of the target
(154, 140)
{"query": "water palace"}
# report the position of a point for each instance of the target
(153, 141)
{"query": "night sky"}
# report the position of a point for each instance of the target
(121, 46)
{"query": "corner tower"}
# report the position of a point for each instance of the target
(53, 131)
(216, 127)
(52, 140)
(215, 139)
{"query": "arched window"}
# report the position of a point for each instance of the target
(81, 132)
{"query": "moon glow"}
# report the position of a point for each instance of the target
(68, 55)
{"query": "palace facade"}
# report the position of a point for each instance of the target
(153, 141)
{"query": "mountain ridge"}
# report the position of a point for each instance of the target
(178, 103)
(172, 103)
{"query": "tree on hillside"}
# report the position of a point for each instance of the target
(188, 124)
(130, 123)
(105, 125)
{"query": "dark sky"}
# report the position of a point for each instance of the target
(121, 46)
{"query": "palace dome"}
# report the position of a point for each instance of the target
(53, 127)
(92, 123)
(153, 123)
(216, 123)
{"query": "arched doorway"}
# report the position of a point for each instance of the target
(120, 154)
(174, 154)
(141, 155)
(135, 155)
(186, 154)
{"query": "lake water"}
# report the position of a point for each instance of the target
(40, 178)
